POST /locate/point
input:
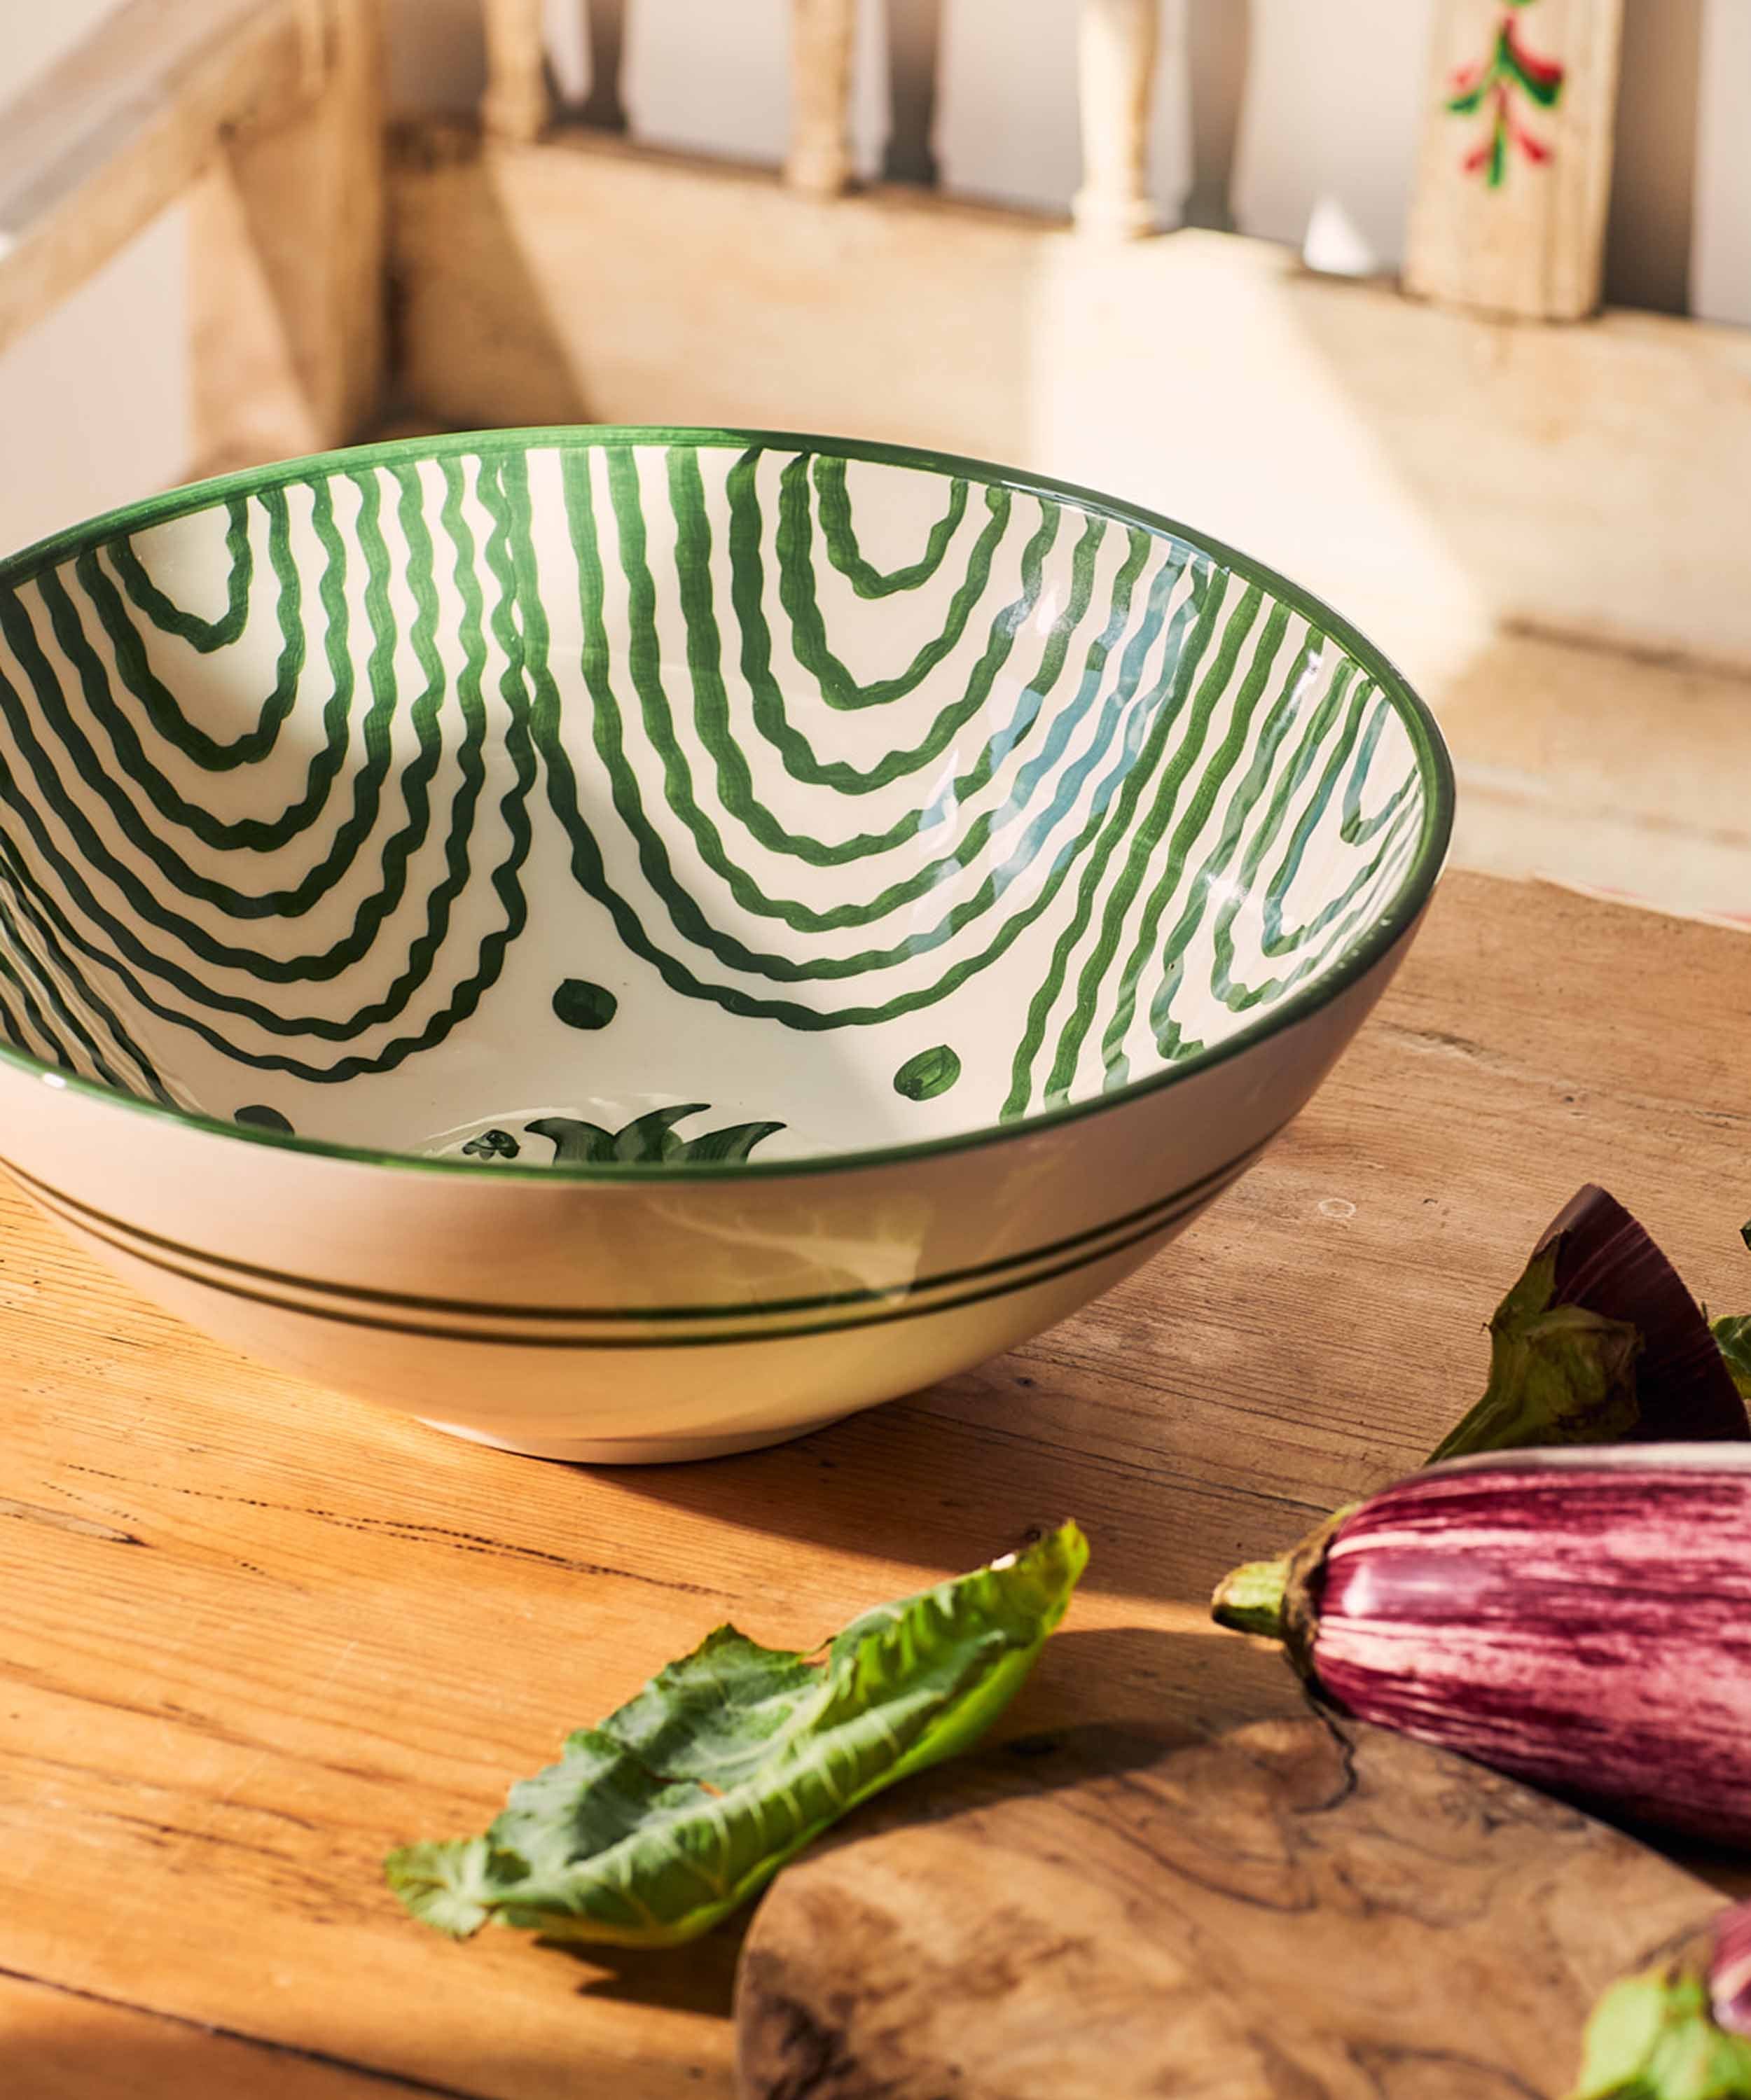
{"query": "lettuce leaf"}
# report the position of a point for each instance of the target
(1653, 2037)
(676, 1809)
(1600, 1342)
(1734, 1336)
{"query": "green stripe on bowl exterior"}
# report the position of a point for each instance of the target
(336, 784)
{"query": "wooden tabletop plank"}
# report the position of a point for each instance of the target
(65, 2045)
(256, 1635)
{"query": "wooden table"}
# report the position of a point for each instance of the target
(254, 1635)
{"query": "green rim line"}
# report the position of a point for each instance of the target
(335, 1316)
(119, 1232)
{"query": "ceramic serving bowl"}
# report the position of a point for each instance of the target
(627, 944)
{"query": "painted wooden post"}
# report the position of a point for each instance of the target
(517, 105)
(286, 261)
(1509, 212)
(823, 37)
(1115, 57)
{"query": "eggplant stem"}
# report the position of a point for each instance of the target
(1251, 1598)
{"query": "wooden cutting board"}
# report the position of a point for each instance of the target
(1292, 1912)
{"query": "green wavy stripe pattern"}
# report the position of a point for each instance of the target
(825, 744)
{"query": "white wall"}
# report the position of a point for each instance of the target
(92, 403)
(1721, 251)
(94, 400)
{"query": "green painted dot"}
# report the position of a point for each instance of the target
(260, 1117)
(581, 1004)
(930, 1073)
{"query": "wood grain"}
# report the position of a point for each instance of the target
(57, 2045)
(1293, 1909)
(256, 1635)
(1446, 478)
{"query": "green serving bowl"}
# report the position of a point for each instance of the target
(628, 943)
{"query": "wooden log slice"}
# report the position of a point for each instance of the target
(1292, 1912)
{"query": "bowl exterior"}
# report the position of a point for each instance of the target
(636, 1319)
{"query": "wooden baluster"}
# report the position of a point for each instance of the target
(517, 104)
(822, 34)
(1509, 212)
(1116, 54)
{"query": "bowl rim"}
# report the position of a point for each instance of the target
(1395, 922)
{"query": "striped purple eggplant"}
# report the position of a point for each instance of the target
(1580, 1619)
(1678, 2030)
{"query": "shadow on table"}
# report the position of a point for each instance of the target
(701, 1978)
(698, 1979)
(941, 1480)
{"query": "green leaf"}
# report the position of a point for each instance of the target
(1652, 2037)
(1542, 78)
(651, 1137)
(1733, 1335)
(574, 1143)
(1496, 173)
(678, 1808)
(1559, 1373)
(735, 1141)
(932, 1072)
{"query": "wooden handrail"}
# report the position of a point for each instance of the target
(126, 121)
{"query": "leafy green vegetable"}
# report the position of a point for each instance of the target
(1559, 1373)
(1653, 2037)
(1600, 1343)
(676, 1809)
(1733, 1335)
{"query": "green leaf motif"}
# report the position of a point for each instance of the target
(675, 1811)
(581, 1004)
(259, 1116)
(932, 1072)
(648, 1140)
(492, 1144)
(735, 1141)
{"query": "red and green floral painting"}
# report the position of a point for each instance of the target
(1511, 80)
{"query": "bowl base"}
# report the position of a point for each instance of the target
(636, 1451)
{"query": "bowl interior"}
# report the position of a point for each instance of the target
(589, 795)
